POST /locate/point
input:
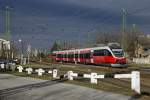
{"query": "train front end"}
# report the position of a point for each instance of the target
(118, 54)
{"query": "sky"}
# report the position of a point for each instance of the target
(41, 22)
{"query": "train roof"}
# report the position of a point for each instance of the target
(85, 49)
(108, 46)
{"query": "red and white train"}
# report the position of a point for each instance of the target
(110, 55)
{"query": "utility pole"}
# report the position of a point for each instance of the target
(7, 23)
(134, 28)
(124, 13)
(79, 42)
(29, 52)
(21, 55)
(88, 37)
(135, 39)
(134, 31)
(7, 29)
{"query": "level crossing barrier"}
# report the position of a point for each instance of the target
(94, 77)
(134, 76)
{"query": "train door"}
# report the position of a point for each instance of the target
(108, 56)
(98, 56)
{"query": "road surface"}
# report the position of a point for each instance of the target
(21, 88)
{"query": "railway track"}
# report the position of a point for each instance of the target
(117, 70)
(15, 90)
(126, 84)
(72, 65)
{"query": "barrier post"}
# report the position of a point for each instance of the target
(2, 66)
(20, 68)
(135, 81)
(70, 75)
(93, 77)
(55, 73)
(29, 70)
(40, 71)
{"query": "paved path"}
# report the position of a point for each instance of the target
(20, 88)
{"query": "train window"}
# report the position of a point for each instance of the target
(98, 52)
(65, 55)
(72, 55)
(102, 52)
(59, 55)
(62, 55)
(87, 55)
(68, 55)
(76, 55)
(53, 54)
(118, 53)
(81, 55)
(107, 53)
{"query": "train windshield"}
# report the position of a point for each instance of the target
(118, 52)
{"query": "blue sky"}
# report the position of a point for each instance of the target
(41, 22)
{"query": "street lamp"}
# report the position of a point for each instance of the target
(21, 55)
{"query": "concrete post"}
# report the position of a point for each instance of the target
(135, 81)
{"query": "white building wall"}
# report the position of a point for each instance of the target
(141, 60)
